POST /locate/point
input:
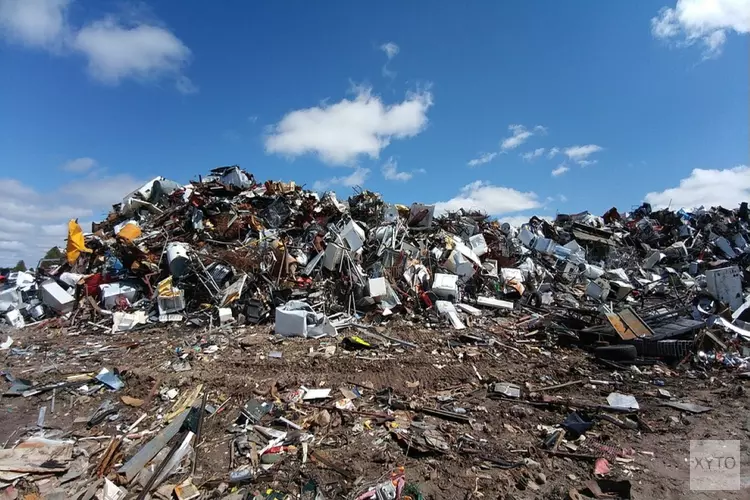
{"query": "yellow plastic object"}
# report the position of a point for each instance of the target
(76, 244)
(129, 232)
(165, 288)
(359, 341)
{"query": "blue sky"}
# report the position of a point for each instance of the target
(519, 108)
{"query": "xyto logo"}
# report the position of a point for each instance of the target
(715, 463)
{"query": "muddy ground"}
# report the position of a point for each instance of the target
(358, 449)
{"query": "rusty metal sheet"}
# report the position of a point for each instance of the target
(635, 323)
(620, 327)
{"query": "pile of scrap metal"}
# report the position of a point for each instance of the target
(650, 283)
(228, 250)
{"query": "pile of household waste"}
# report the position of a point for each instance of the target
(174, 335)
(228, 250)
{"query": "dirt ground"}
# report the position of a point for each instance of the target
(359, 450)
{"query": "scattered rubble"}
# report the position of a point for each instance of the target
(236, 339)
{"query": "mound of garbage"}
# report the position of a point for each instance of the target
(227, 249)
(236, 339)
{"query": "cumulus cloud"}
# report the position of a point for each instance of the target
(553, 152)
(391, 172)
(339, 133)
(356, 178)
(519, 135)
(494, 200)
(14, 226)
(532, 155)
(31, 221)
(35, 23)
(561, 169)
(580, 154)
(11, 245)
(35, 209)
(13, 188)
(706, 187)
(100, 191)
(117, 52)
(515, 220)
(116, 49)
(704, 21)
(482, 159)
(79, 165)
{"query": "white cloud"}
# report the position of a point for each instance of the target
(515, 220)
(36, 23)
(356, 178)
(707, 187)
(13, 188)
(185, 85)
(339, 133)
(79, 165)
(390, 49)
(553, 152)
(34, 221)
(391, 172)
(30, 208)
(115, 49)
(494, 200)
(562, 198)
(561, 169)
(482, 159)
(11, 245)
(665, 25)
(580, 154)
(706, 21)
(14, 226)
(532, 155)
(141, 52)
(98, 191)
(519, 135)
(252, 118)
(55, 229)
(714, 43)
